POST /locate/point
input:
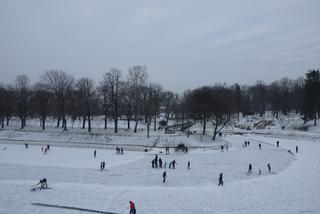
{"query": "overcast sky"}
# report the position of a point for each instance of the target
(184, 44)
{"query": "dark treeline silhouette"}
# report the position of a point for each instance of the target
(133, 98)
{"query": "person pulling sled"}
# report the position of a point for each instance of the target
(41, 185)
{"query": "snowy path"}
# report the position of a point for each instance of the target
(293, 189)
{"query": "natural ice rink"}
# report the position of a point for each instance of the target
(76, 179)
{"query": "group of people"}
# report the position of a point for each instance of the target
(156, 162)
(246, 144)
(119, 151)
(259, 170)
(102, 165)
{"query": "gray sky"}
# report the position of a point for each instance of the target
(184, 44)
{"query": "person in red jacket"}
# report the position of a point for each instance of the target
(132, 208)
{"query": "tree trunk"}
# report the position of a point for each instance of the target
(135, 127)
(89, 123)
(84, 122)
(2, 122)
(215, 132)
(148, 128)
(105, 121)
(22, 124)
(8, 119)
(115, 125)
(204, 126)
(64, 123)
(155, 123)
(315, 120)
(43, 123)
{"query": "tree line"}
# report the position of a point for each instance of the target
(133, 98)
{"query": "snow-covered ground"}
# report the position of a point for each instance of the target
(76, 180)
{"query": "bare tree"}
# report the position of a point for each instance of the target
(167, 100)
(86, 94)
(113, 84)
(150, 103)
(137, 77)
(23, 97)
(223, 106)
(60, 84)
(41, 103)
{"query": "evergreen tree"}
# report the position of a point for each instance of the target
(311, 101)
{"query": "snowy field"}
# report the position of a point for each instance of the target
(76, 180)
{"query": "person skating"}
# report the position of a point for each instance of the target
(250, 169)
(174, 164)
(259, 146)
(259, 171)
(95, 153)
(297, 149)
(220, 179)
(164, 175)
(132, 208)
(269, 167)
(188, 164)
(153, 162)
(277, 143)
(160, 163)
(101, 165)
(26, 145)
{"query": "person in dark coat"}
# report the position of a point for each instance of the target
(188, 164)
(277, 143)
(132, 208)
(297, 149)
(250, 169)
(174, 164)
(164, 175)
(260, 146)
(220, 179)
(95, 153)
(269, 167)
(160, 163)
